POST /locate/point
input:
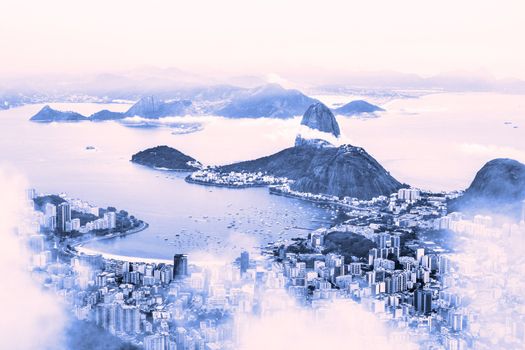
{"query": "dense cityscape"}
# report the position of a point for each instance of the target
(409, 277)
(262, 175)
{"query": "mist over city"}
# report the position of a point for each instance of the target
(223, 175)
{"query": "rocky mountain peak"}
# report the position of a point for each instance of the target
(320, 117)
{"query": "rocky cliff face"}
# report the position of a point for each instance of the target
(48, 114)
(151, 107)
(300, 141)
(357, 107)
(320, 117)
(349, 171)
(166, 158)
(499, 187)
(339, 171)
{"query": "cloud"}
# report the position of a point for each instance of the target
(339, 323)
(492, 151)
(31, 318)
(489, 266)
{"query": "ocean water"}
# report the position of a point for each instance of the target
(435, 142)
(182, 217)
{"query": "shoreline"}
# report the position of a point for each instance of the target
(78, 249)
(278, 192)
(188, 179)
(79, 243)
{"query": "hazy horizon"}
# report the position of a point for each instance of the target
(292, 39)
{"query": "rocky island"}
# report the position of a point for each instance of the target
(357, 107)
(48, 114)
(317, 168)
(339, 171)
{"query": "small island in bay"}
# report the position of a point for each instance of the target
(166, 158)
(357, 107)
(48, 114)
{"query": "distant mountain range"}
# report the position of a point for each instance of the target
(173, 83)
(499, 186)
(269, 101)
(150, 107)
(209, 93)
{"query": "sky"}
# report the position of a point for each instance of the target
(240, 37)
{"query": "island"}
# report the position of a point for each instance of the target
(166, 158)
(357, 107)
(48, 114)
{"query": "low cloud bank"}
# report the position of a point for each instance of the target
(31, 318)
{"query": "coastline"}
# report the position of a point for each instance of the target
(78, 243)
(278, 192)
(190, 180)
(78, 249)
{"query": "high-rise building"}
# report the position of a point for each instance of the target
(63, 216)
(409, 194)
(36, 243)
(111, 218)
(244, 262)
(50, 216)
(75, 224)
(396, 241)
(423, 301)
(131, 319)
(154, 342)
(444, 264)
(372, 254)
(180, 266)
(31, 193)
(420, 252)
(382, 240)
(354, 268)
